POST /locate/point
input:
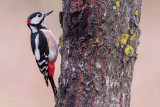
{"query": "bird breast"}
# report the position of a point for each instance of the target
(53, 51)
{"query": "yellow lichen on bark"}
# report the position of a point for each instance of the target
(117, 3)
(137, 12)
(132, 37)
(124, 38)
(97, 40)
(128, 49)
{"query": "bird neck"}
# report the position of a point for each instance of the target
(36, 28)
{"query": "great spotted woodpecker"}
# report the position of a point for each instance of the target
(44, 46)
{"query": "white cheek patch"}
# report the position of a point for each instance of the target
(36, 20)
(43, 23)
(37, 52)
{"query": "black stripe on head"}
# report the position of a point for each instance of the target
(34, 15)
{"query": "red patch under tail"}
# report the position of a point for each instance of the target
(51, 69)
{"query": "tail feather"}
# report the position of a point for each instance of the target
(53, 86)
(46, 80)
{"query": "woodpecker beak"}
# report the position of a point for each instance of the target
(48, 13)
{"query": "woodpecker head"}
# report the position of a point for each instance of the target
(37, 19)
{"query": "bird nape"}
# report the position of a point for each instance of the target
(44, 46)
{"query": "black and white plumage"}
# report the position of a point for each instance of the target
(44, 46)
(41, 51)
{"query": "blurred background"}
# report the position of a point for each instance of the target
(22, 85)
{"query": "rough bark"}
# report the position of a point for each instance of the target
(98, 49)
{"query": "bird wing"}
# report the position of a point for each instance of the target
(41, 51)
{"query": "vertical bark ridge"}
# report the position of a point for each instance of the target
(79, 91)
(99, 22)
(91, 78)
(80, 82)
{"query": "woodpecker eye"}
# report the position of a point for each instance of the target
(39, 15)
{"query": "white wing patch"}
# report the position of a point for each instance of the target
(41, 63)
(45, 55)
(45, 67)
(37, 52)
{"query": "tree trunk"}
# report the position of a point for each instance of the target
(99, 49)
